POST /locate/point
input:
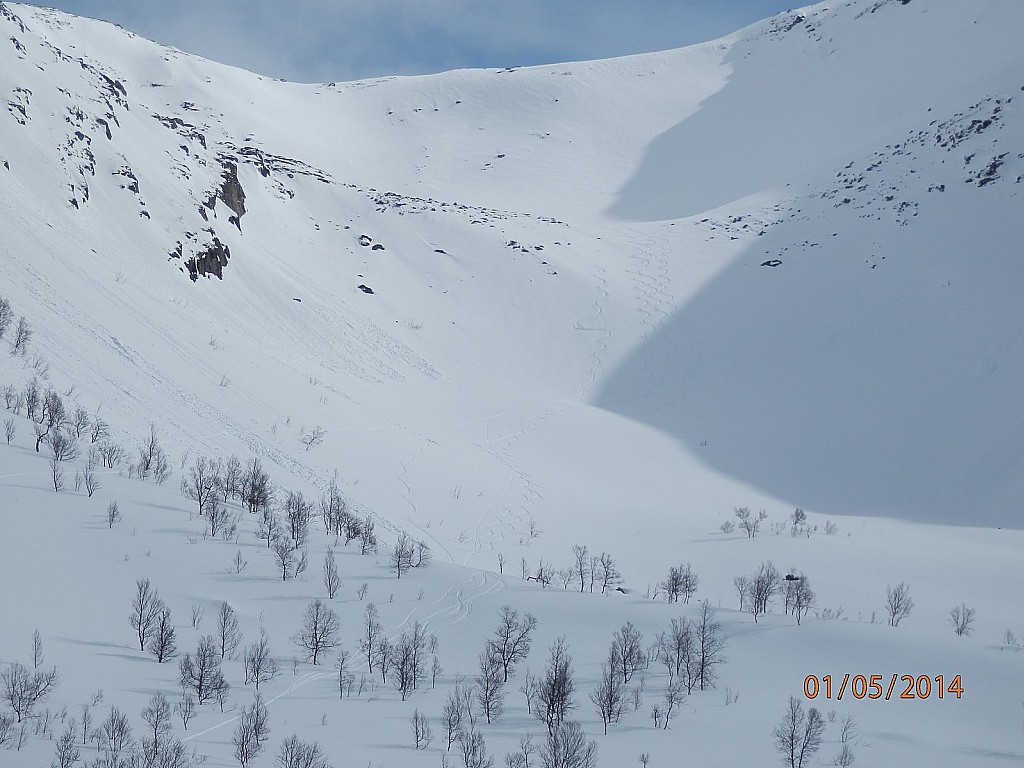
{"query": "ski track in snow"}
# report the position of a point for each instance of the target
(511, 514)
(654, 300)
(460, 605)
(403, 476)
(499, 518)
(302, 682)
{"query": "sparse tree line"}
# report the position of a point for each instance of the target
(691, 651)
(21, 332)
(402, 659)
(756, 592)
(202, 680)
(284, 518)
(63, 429)
(23, 690)
(152, 743)
(797, 523)
(150, 618)
(590, 572)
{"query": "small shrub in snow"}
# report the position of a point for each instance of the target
(898, 603)
(22, 336)
(422, 733)
(962, 619)
(56, 475)
(6, 316)
(22, 689)
(145, 612)
(298, 754)
(313, 437)
(830, 614)
(681, 582)
(847, 729)
(845, 757)
(748, 521)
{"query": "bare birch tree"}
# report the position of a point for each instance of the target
(145, 611)
(260, 665)
(319, 632)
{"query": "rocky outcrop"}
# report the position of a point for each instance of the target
(211, 260)
(231, 192)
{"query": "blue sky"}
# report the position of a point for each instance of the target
(325, 40)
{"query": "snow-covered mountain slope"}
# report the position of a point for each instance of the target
(501, 295)
(596, 303)
(872, 148)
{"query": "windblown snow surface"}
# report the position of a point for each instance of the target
(599, 303)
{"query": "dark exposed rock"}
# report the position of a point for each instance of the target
(881, 4)
(365, 288)
(210, 261)
(18, 106)
(186, 130)
(231, 192)
(131, 183)
(990, 172)
(8, 14)
(267, 163)
(114, 89)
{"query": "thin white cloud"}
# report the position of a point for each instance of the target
(317, 40)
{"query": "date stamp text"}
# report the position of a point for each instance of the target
(883, 687)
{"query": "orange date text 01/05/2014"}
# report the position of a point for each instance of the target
(888, 687)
